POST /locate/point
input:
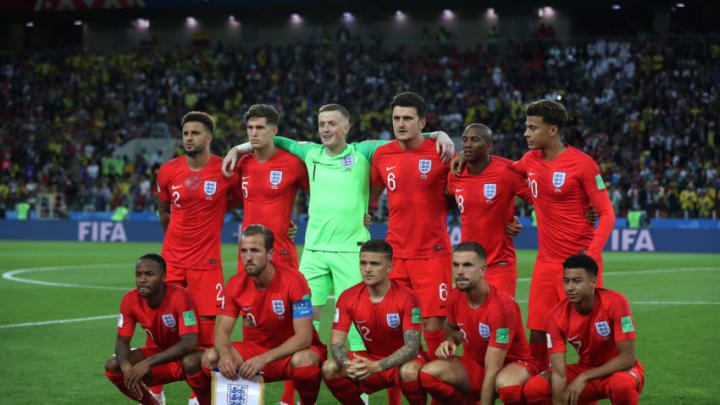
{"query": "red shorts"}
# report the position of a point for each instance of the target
(206, 287)
(386, 378)
(547, 290)
(430, 280)
(278, 370)
(503, 275)
(599, 388)
(476, 372)
(164, 373)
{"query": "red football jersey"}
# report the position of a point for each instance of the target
(416, 182)
(381, 325)
(561, 190)
(593, 335)
(487, 202)
(176, 316)
(199, 200)
(269, 191)
(495, 323)
(268, 314)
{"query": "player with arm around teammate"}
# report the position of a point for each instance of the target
(599, 325)
(167, 315)
(275, 304)
(496, 357)
(387, 314)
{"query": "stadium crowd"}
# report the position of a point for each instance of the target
(646, 111)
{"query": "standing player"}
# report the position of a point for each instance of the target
(496, 356)
(598, 323)
(276, 304)
(485, 195)
(193, 199)
(193, 196)
(564, 182)
(270, 179)
(388, 316)
(416, 180)
(167, 314)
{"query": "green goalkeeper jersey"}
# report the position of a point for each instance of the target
(339, 193)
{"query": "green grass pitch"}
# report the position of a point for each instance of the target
(674, 298)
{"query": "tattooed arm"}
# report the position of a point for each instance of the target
(337, 347)
(363, 368)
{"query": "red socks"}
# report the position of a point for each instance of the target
(394, 396)
(439, 390)
(307, 382)
(118, 379)
(511, 395)
(540, 355)
(537, 391)
(288, 395)
(344, 391)
(413, 392)
(206, 332)
(200, 385)
(433, 340)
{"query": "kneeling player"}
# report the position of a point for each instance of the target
(496, 356)
(599, 324)
(279, 338)
(167, 314)
(388, 317)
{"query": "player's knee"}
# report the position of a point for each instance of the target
(511, 376)
(304, 358)
(210, 358)
(435, 368)
(409, 371)
(191, 363)
(536, 390)
(622, 385)
(330, 369)
(112, 365)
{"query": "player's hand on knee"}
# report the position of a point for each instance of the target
(227, 367)
(574, 390)
(133, 377)
(445, 350)
(251, 367)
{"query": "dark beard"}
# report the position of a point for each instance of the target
(192, 153)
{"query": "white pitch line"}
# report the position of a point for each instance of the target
(90, 318)
(10, 275)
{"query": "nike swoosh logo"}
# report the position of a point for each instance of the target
(390, 167)
(245, 177)
(175, 187)
(247, 309)
(460, 323)
(360, 322)
(531, 174)
(457, 190)
(573, 338)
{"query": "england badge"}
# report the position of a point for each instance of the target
(490, 190)
(278, 307)
(169, 320)
(602, 328)
(210, 187)
(276, 177)
(393, 320)
(558, 179)
(424, 165)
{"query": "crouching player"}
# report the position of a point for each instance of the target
(388, 317)
(279, 338)
(598, 323)
(496, 358)
(167, 314)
